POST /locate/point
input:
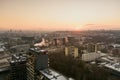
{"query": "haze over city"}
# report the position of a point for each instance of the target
(59, 39)
(59, 14)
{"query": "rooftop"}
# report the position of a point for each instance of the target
(115, 66)
(38, 50)
(2, 49)
(17, 58)
(53, 75)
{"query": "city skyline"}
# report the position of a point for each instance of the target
(59, 14)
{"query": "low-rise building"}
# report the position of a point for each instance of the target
(91, 56)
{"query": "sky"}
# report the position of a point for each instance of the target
(59, 14)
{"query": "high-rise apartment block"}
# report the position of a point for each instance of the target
(18, 67)
(38, 60)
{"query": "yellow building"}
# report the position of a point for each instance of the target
(91, 47)
(98, 47)
(72, 50)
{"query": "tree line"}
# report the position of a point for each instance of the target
(77, 69)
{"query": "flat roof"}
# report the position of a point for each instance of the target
(53, 75)
(38, 50)
(115, 66)
(1, 49)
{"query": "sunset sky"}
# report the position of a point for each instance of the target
(59, 14)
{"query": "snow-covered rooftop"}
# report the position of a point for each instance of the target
(53, 75)
(1, 49)
(115, 66)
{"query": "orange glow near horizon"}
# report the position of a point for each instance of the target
(59, 14)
